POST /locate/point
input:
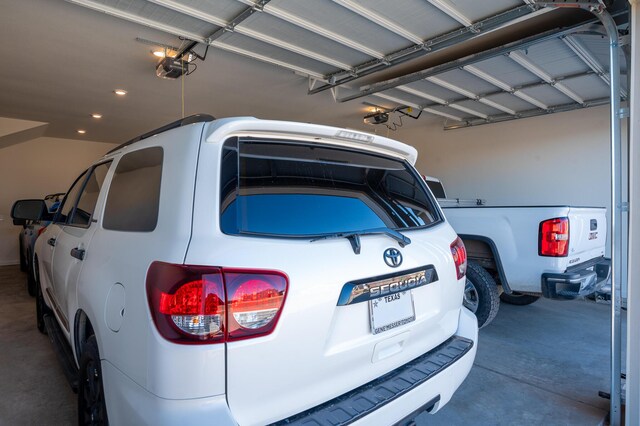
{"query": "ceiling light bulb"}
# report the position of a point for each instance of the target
(120, 92)
(82, 132)
(96, 115)
(159, 53)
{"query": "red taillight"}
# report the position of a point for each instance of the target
(194, 304)
(459, 254)
(554, 237)
(255, 302)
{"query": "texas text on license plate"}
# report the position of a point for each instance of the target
(391, 311)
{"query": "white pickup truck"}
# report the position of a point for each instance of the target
(517, 254)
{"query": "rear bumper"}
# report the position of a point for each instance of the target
(130, 404)
(578, 281)
(424, 384)
(420, 385)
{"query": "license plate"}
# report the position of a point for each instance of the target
(391, 311)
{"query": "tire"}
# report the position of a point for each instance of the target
(41, 308)
(23, 261)
(92, 409)
(519, 299)
(31, 280)
(481, 294)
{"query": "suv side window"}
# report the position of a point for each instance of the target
(86, 205)
(66, 208)
(134, 195)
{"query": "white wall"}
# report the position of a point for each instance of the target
(33, 169)
(554, 159)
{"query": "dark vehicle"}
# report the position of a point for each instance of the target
(27, 239)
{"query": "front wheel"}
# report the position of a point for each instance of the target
(92, 409)
(481, 294)
(520, 299)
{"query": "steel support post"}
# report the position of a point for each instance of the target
(615, 228)
(632, 416)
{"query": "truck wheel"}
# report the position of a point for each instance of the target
(92, 409)
(520, 299)
(23, 261)
(481, 294)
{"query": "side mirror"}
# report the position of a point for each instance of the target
(20, 222)
(28, 210)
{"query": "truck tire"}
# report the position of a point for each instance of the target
(519, 299)
(481, 294)
(92, 409)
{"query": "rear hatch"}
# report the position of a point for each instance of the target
(360, 301)
(587, 234)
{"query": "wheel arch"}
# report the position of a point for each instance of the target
(490, 247)
(83, 329)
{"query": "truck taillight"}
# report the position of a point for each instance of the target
(459, 254)
(554, 237)
(199, 304)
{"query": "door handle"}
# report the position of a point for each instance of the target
(51, 242)
(77, 253)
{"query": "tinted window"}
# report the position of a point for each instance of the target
(301, 189)
(70, 199)
(87, 203)
(436, 188)
(134, 195)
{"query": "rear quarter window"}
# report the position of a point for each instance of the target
(134, 195)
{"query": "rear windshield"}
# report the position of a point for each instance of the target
(301, 189)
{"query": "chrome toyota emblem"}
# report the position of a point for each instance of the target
(392, 257)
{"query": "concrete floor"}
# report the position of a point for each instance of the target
(541, 364)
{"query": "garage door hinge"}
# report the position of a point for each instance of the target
(624, 207)
(623, 113)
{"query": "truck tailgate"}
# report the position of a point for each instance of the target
(587, 234)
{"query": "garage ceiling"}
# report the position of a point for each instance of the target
(461, 62)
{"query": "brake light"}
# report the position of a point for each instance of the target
(459, 254)
(255, 302)
(196, 308)
(554, 237)
(196, 304)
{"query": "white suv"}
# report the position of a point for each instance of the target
(242, 271)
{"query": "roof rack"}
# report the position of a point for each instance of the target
(192, 119)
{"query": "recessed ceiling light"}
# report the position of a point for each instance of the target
(82, 132)
(96, 115)
(160, 53)
(120, 92)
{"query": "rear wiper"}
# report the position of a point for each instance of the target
(354, 237)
